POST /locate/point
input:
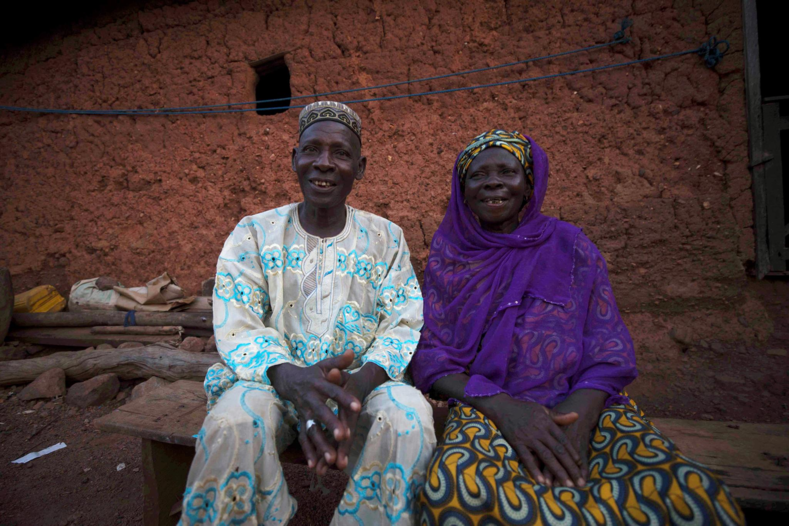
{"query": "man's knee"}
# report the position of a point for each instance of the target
(408, 412)
(246, 407)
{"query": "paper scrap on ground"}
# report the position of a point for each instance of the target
(120, 466)
(30, 456)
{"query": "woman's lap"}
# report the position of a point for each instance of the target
(636, 476)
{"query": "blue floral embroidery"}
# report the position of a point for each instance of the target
(259, 303)
(295, 258)
(401, 297)
(228, 289)
(391, 489)
(386, 301)
(350, 345)
(311, 350)
(368, 486)
(341, 263)
(392, 342)
(200, 506)
(243, 293)
(264, 342)
(412, 288)
(395, 491)
(378, 275)
(238, 491)
(218, 379)
(224, 286)
(362, 267)
(364, 270)
(272, 260)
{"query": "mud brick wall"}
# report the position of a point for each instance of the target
(651, 160)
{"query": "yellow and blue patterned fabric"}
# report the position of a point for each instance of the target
(326, 110)
(637, 476)
(284, 296)
(513, 142)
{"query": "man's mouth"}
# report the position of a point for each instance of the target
(322, 183)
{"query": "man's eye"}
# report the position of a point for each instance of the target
(342, 153)
(309, 149)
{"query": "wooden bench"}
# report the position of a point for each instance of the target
(751, 458)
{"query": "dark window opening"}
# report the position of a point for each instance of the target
(767, 95)
(785, 179)
(772, 17)
(272, 82)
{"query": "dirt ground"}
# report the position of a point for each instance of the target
(83, 485)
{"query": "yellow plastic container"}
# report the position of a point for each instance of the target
(44, 298)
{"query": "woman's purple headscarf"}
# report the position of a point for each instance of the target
(475, 281)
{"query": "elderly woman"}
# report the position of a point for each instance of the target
(523, 335)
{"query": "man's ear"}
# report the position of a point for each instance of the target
(293, 160)
(362, 167)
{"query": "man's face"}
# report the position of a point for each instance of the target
(327, 161)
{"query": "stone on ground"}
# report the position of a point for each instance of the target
(104, 346)
(192, 344)
(49, 384)
(150, 385)
(96, 391)
(210, 345)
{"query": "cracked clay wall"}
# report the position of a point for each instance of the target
(651, 159)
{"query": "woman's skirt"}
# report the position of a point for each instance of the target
(636, 476)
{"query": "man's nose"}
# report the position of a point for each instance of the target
(323, 161)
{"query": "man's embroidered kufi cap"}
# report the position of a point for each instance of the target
(326, 110)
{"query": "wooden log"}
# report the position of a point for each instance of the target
(82, 337)
(200, 333)
(95, 318)
(152, 331)
(6, 302)
(141, 362)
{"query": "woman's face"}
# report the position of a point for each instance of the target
(495, 189)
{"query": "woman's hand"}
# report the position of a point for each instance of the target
(534, 432)
(587, 404)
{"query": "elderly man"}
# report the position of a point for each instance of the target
(317, 313)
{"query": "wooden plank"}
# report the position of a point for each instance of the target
(83, 337)
(751, 458)
(171, 414)
(137, 329)
(94, 318)
(748, 458)
(753, 91)
(6, 302)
